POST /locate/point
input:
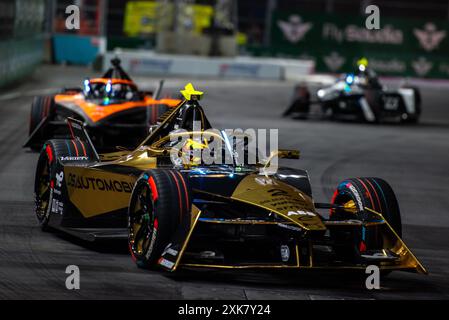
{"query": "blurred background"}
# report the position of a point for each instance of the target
(324, 36)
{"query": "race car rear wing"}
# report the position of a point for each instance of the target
(77, 131)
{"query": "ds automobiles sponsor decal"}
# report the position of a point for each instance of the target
(93, 183)
(96, 192)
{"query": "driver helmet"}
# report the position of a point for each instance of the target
(362, 64)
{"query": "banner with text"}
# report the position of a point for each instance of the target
(401, 47)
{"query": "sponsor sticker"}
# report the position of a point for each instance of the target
(153, 240)
(170, 251)
(286, 226)
(166, 263)
(422, 66)
(334, 61)
(57, 206)
(75, 125)
(294, 29)
(59, 178)
(151, 65)
(357, 196)
(285, 253)
(264, 181)
(74, 158)
(429, 37)
(239, 69)
(301, 213)
(91, 183)
(391, 103)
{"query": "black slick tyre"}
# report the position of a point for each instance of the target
(158, 202)
(372, 193)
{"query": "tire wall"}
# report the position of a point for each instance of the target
(21, 38)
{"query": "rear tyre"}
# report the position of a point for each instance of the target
(43, 192)
(414, 118)
(41, 108)
(375, 194)
(45, 176)
(300, 105)
(374, 99)
(158, 202)
(327, 110)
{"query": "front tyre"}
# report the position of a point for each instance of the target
(43, 192)
(300, 105)
(359, 194)
(158, 202)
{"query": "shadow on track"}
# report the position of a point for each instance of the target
(341, 283)
(100, 246)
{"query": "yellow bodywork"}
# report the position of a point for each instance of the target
(280, 198)
(95, 192)
(190, 92)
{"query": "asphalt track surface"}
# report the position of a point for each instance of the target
(414, 159)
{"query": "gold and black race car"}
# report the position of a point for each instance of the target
(190, 213)
(113, 109)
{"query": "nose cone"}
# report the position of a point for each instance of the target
(280, 198)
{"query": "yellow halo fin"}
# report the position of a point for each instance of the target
(190, 93)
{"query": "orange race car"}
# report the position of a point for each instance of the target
(113, 110)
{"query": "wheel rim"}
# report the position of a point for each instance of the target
(371, 236)
(141, 221)
(43, 191)
(344, 198)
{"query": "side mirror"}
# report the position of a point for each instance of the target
(281, 154)
(288, 154)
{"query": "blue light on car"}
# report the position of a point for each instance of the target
(347, 88)
(198, 171)
(349, 79)
(108, 87)
(86, 85)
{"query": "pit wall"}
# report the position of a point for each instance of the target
(149, 63)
